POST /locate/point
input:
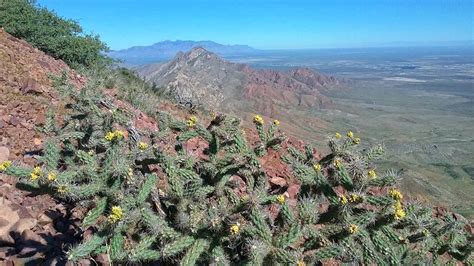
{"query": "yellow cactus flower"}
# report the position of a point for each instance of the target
(193, 118)
(109, 136)
(36, 173)
(354, 198)
(130, 172)
(213, 114)
(116, 135)
(397, 205)
(142, 146)
(62, 189)
(276, 122)
(399, 214)
(257, 119)
(281, 199)
(191, 122)
(52, 176)
(372, 174)
(234, 229)
(119, 134)
(337, 135)
(116, 214)
(317, 167)
(5, 165)
(91, 152)
(353, 228)
(343, 200)
(300, 263)
(356, 140)
(395, 194)
(337, 163)
(350, 134)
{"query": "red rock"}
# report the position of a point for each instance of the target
(37, 141)
(102, 259)
(4, 154)
(279, 181)
(30, 86)
(293, 191)
(14, 121)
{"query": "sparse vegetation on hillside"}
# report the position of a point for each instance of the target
(61, 38)
(148, 199)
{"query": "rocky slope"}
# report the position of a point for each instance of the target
(202, 77)
(35, 228)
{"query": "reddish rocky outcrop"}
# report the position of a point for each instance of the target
(283, 89)
(204, 78)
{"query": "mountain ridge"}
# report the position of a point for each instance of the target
(202, 77)
(166, 50)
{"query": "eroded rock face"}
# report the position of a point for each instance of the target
(202, 77)
(25, 87)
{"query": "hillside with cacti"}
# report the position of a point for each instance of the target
(96, 167)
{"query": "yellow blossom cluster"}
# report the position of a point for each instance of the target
(317, 167)
(116, 214)
(257, 119)
(5, 165)
(192, 120)
(300, 263)
(62, 189)
(281, 199)
(353, 228)
(343, 200)
(372, 174)
(337, 163)
(213, 114)
(234, 229)
(395, 194)
(338, 135)
(115, 135)
(52, 176)
(36, 173)
(354, 198)
(142, 146)
(350, 135)
(398, 213)
(276, 122)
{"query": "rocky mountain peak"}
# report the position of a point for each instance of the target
(197, 53)
(206, 79)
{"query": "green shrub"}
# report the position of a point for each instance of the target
(192, 213)
(58, 37)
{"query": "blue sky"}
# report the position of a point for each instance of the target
(272, 24)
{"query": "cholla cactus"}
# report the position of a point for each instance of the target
(193, 212)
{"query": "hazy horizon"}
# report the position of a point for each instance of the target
(273, 25)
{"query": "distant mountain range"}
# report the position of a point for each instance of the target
(166, 50)
(203, 78)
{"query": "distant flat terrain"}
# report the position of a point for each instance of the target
(418, 102)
